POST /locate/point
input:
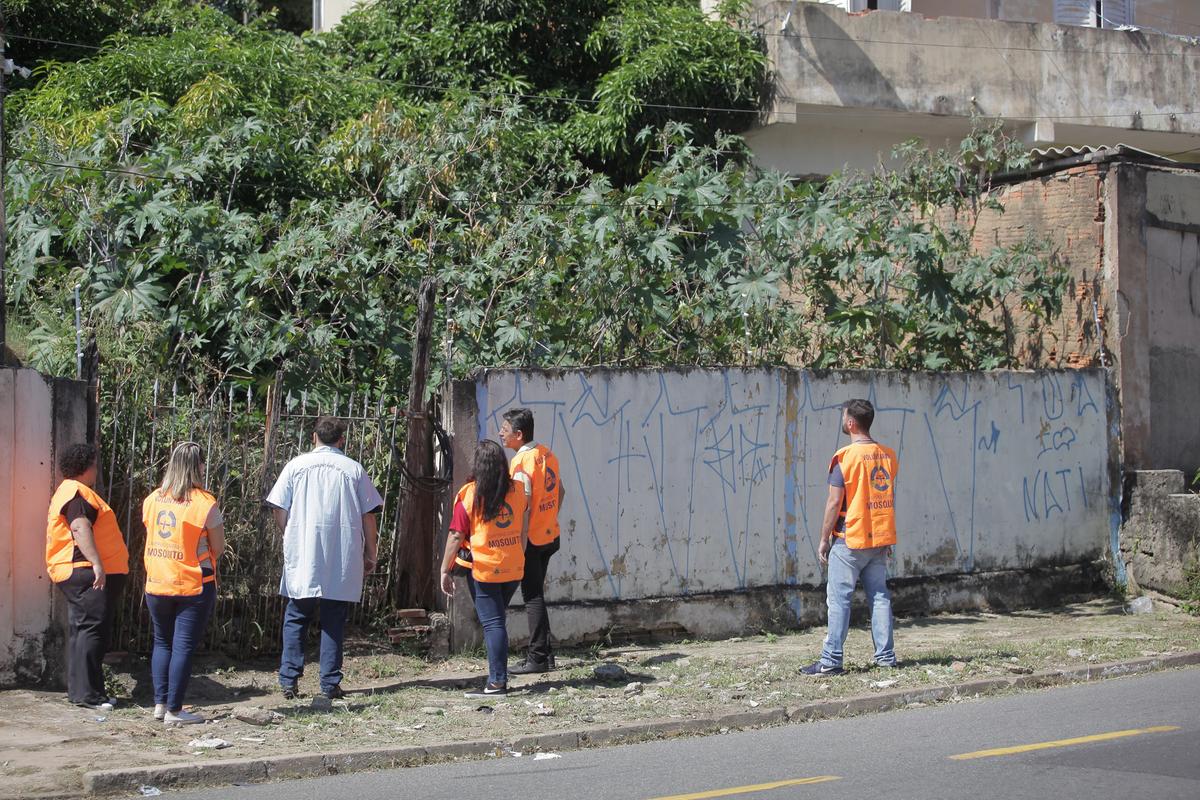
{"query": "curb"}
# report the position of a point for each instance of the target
(315, 765)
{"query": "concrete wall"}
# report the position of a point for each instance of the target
(1180, 17)
(330, 12)
(699, 483)
(38, 417)
(849, 86)
(1160, 539)
(1172, 241)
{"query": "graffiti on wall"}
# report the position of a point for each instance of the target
(714, 480)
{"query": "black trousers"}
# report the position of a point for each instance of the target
(533, 588)
(89, 623)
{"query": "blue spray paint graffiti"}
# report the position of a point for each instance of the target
(678, 476)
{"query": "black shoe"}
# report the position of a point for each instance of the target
(334, 693)
(290, 692)
(490, 690)
(528, 668)
(103, 704)
(550, 663)
(817, 668)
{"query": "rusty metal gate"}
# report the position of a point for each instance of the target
(246, 442)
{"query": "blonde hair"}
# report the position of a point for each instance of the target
(184, 472)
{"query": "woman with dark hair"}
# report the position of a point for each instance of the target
(185, 537)
(484, 525)
(87, 559)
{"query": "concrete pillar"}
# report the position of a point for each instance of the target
(1126, 271)
(38, 417)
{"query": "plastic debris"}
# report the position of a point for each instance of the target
(545, 756)
(1140, 605)
(884, 684)
(209, 743)
(149, 791)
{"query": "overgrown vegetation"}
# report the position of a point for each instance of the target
(239, 200)
(1189, 590)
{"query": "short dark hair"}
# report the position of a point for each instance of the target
(329, 430)
(862, 412)
(76, 459)
(521, 420)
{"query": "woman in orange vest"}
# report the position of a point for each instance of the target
(491, 523)
(185, 537)
(87, 559)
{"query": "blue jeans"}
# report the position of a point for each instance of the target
(491, 603)
(845, 568)
(299, 612)
(179, 624)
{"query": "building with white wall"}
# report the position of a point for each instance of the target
(849, 85)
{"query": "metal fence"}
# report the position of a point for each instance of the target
(246, 442)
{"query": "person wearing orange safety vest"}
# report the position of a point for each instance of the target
(857, 535)
(185, 537)
(490, 526)
(87, 559)
(539, 463)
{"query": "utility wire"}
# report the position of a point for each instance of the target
(1142, 13)
(841, 113)
(557, 204)
(848, 39)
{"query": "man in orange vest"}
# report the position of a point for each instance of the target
(857, 535)
(87, 559)
(536, 461)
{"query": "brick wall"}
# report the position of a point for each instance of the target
(1067, 209)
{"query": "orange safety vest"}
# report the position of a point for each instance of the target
(869, 507)
(61, 554)
(496, 552)
(542, 468)
(173, 532)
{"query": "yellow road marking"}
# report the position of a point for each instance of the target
(1097, 737)
(756, 787)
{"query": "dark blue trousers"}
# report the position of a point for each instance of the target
(491, 605)
(299, 613)
(179, 624)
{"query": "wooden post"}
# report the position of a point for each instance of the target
(91, 374)
(413, 557)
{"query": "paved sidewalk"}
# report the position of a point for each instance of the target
(403, 710)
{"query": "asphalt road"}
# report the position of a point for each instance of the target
(1131, 737)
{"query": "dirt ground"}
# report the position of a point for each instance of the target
(397, 699)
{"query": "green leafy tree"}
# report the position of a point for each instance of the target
(235, 200)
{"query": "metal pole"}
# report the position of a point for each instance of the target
(78, 336)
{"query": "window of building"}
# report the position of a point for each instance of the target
(1094, 13)
(871, 5)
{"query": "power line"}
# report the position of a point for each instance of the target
(818, 37)
(796, 114)
(1142, 13)
(554, 204)
(970, 46)
(93, 168)
(388, 82)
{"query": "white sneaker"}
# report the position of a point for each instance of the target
(182, 717)
(160, 711)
